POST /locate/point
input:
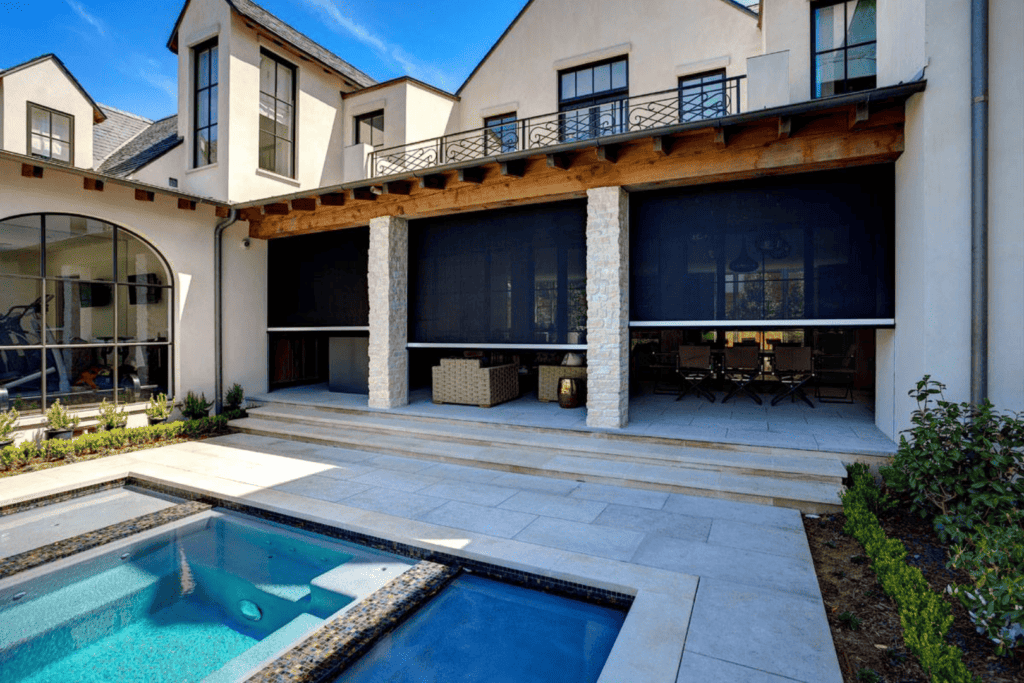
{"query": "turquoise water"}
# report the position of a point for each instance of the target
(477, 630)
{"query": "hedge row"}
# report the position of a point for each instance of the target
(924, 615)
(103, 443)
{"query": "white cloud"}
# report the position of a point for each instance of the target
(150, 74)
(413, 67)
(80, 10)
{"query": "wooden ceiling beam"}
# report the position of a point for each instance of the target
(473, 175)
(514, 169)
(434, 181)
(186, 204)
(31, 171)
(608, 153)
(662, 144)
(560, 161)
(92, 184)
(363, 194)
(276, 209)
(143, 195)
(860, 113)
(332, 199)
(222, 211)
(305, 204)
(785, 127)
(400, 187)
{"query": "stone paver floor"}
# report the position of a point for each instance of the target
(724, 591)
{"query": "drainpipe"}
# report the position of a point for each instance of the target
(218, 320)
(979, 201)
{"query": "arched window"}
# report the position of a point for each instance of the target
(85, 313)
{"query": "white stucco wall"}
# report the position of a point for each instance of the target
(391, 99)
(159, 171)
(659, 36)
(426, 113)
(185, 238)
(45, 84)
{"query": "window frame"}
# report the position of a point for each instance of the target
(718, 87)
(214, 82)
(359, 118)
(28, 134)
(618, 97)
(502, 127)
(280, 61)
(816, 5)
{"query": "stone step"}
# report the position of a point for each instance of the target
(824, 467)
(807, 496)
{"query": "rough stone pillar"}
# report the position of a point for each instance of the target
(389, 319)
(607, 307)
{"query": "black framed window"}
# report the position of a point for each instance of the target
(702, 96)
(593, 99)
(277, 115)
(51, 134)
(501, 134)
(370, 128)
(206, 63)
(85, 313)
(843, 42)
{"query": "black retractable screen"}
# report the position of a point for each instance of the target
(319, 280)
(813, 246)
(515, 276)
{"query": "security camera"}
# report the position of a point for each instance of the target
(246, 243)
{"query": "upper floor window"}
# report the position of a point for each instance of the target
(843, 46)
(277, 115)
(205, 103)
(51, 134)
(593, 99)
(702, 96)
(370, 128)
(500, 134)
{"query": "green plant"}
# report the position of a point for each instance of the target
(959, 457)
(876, 500)
(19, 403)
(195, 407)
(159, 407)
(233, 398)
(8, 418)
(59, 419)
(110, 417)
(869, 676)
(850, 621)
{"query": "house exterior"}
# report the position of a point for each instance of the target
(608, 172)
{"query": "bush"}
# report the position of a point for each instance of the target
(8, 418)
(58, 417)
(195, 407)
(159, 407)
(234, 397)
(110, 417)
(959, 458)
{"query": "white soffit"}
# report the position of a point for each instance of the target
(703, 65)
(594, 56)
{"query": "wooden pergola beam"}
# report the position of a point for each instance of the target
(276, 209)
(143, 195)
(92, 184)
(434, 181)
(859, 115)
(363, 194)
(559, 161)
(785, 127)
(304, 204)
(222, 211)
(31, 171)
(473, 175)
(400, 187)
(608, 153)
(514, 169)
(662, 144)
(332, 199)
(186, 204)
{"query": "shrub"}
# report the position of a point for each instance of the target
(58, 417)
(195, 407)
(959, 458)
(110, 417)
(159, 407)
(234, 397)
(8, 418)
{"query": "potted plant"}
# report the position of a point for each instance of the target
(110, 417)
(60, 422)
(195, 407)
(233, 398)
(159, 409)
(8, 418)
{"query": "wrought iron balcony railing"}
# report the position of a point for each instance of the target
(642, 112)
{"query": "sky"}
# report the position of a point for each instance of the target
(117, 48)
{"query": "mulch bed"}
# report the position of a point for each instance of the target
(849, 587)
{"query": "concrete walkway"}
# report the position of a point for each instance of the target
(724, 591)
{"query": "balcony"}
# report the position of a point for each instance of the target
(686, 104)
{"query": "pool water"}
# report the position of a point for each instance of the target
(482, 630)
(205, 600)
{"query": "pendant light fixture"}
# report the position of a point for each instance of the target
(743, 263)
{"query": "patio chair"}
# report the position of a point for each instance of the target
(794, 368)
(837, 373)
(742, 365)
(694, 368)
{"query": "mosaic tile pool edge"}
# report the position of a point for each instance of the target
(336, 645)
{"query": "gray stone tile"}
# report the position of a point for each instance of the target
(855, 444)
(338, 455)
(655, 522)
(698, 506)
(322, 488)
(400, 464)
(395, 480)
(398, 503)
(614, 544)
(348, 470)
(445, 470)
(479, 519)
(621, 495)
(547, 505)
(767, 438)
(757, 570)
(467, 492)
(697, 668)
(530, 482)
(759, 538)
(791, 638)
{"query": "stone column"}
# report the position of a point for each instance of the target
(388, 278)
(607, 307)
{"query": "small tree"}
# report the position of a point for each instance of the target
(59, 419)
(110, 417)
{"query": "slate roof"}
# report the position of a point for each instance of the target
(268, 21)
(152, 143)
(119, 128)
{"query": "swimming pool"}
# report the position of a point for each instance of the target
(208, 598)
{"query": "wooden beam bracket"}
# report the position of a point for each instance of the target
(514, 169)
(30, 171)
(304, 204)
(332, 199)
(276, 209)
(186, 204)
(608, 153)
(560, 161)
(859, 115)
(144, 195)
(721, 137)
(401, 187)
(222, 211)
(434, 181)
(473, 175)
(663, 144)
(363, 194)
(785, 127)
(92, 184)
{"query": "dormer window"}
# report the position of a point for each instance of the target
(370, 129)
(51, 134)
(205, 103)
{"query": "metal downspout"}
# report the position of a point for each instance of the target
(979, 201)
(218, 320)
